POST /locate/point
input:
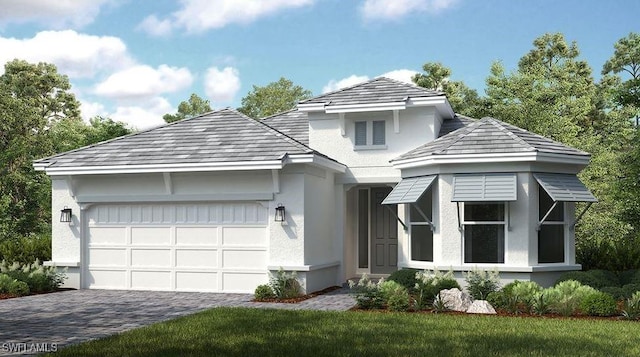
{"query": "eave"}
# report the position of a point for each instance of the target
(491, 158)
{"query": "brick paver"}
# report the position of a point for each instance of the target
(50, 321)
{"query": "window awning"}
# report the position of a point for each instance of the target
(484, 187)
(564, 187)
(409, 190)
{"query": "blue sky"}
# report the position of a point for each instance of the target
(136, 60)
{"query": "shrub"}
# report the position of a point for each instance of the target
(481, 282)
(598, 304)
(264, 292)
(515, 297)
(540, 304)
(565, 298)
(596, 278)
(25, 250)
(631, 308)
(430, 283)
(9, 285)
(285, 285)
(616, 292)
(367, 293)
(404, 277)
(630, 276)
(630, 289)
(439, 305)
(395, 295)
(38, 277)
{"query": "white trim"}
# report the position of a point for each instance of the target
(275, 176)
(256, 196)
(316, 160)
(343, 131)
(61, 264)
(490, 158)
(71, 186)
(500, 268)
(168, 184)
(312, 107)
(372, 107)
(369, 147)
(310, 267)
(396, 121)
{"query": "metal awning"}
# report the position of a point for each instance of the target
(484, 187)
(564, 187)
(409, 190)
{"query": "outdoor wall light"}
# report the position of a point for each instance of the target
(279, 213)
(65, 214)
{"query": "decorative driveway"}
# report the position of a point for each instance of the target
(48, 322)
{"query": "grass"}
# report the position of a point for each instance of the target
(265, 332)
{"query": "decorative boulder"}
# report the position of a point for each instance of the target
(481, 307)
(456, 300)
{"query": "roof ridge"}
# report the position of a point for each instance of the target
(502, 127)
(459, 133)
(411, 85)
(272, 129)
(279, 113)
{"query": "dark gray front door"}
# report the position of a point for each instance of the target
(384, 234)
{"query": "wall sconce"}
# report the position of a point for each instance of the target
(65, 214)
(279, 213)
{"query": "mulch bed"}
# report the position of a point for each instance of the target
(299, 298)
(4, 296)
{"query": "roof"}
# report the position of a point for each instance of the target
(217, 137)
(564, 187)
(489, 136)
(377, 90)
(457, 122)
(293, 123)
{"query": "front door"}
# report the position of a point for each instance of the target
(383, 234)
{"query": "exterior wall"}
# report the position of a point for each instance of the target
(371, 165)
(66, 243)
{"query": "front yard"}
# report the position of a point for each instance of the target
(266, 332)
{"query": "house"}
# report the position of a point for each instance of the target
(368, 179)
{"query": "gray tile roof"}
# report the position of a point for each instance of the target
(489, 136)
(377, 90)
(216, 137)
(456, 123)
(293, 123)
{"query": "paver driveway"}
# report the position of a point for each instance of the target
(51, 321)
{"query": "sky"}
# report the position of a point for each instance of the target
(136, 60)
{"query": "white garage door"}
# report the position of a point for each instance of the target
(187, 247)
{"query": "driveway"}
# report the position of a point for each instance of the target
(45, 323)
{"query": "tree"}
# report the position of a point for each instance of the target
(626, 60)
(74, 133)
(189, 108)
(463, 99)
(33, 99)
(273, 98)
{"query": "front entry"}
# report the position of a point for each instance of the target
(383, 233)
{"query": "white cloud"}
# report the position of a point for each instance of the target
(221, 86)
(145, 115)
(395, 9)
(56, 13)
(143, 81)
(202, 15)
(76, 55)
(334, 85)
(402, 75)
(89, 110)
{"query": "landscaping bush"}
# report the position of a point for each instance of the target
(630, 277)
(616, 292)
(285, 285)
(38, 278)
(631, 308)
(395, 296)
(404, 277)
(26, 250)
(264, 292)
(596, 279)
(368, 294)
(598, 304)
(566, 296)
(430, 283)
(9, 285)
(515, 297)
(481, 282)
(630, 289)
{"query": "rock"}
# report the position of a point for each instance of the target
(456, 300)
(481, 307)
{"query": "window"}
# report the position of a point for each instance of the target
(370, 133)
(551, 233)
(484, 231)
(421, 233)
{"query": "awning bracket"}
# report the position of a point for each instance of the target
(433, 228)
(555, 203)
(573, 225)
(395, 214)
(459, 218)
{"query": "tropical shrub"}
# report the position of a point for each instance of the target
(598, 304)
(264, 292)
(481, 282)
(39, 278)
(11, 286)
(395, 296)
(285, 285)
(566, 296)
(631, 308)
(429, 283)
(405, 277)
(515, 297)
(368, 294)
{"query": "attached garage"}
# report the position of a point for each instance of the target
(218, 247)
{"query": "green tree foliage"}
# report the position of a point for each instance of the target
(463, 99)
(189, 108)
(626, 60)
(273, 98)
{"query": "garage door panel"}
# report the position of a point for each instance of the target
(153, 280)
(150, 235)
(196, 236)
(108, 257)
(244, 236)
(244, 259)
(238, 282)
(108, 235)
(197, 281)
(151, 258)
(194, 258)
(108, 279)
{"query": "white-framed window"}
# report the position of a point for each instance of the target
(551, 240)
(421, 245)
(370, 134)
(485, 226)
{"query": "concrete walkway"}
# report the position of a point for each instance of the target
(45, 323)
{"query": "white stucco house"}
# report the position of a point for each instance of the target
(369, 179)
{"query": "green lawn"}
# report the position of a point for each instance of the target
(260, 332)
